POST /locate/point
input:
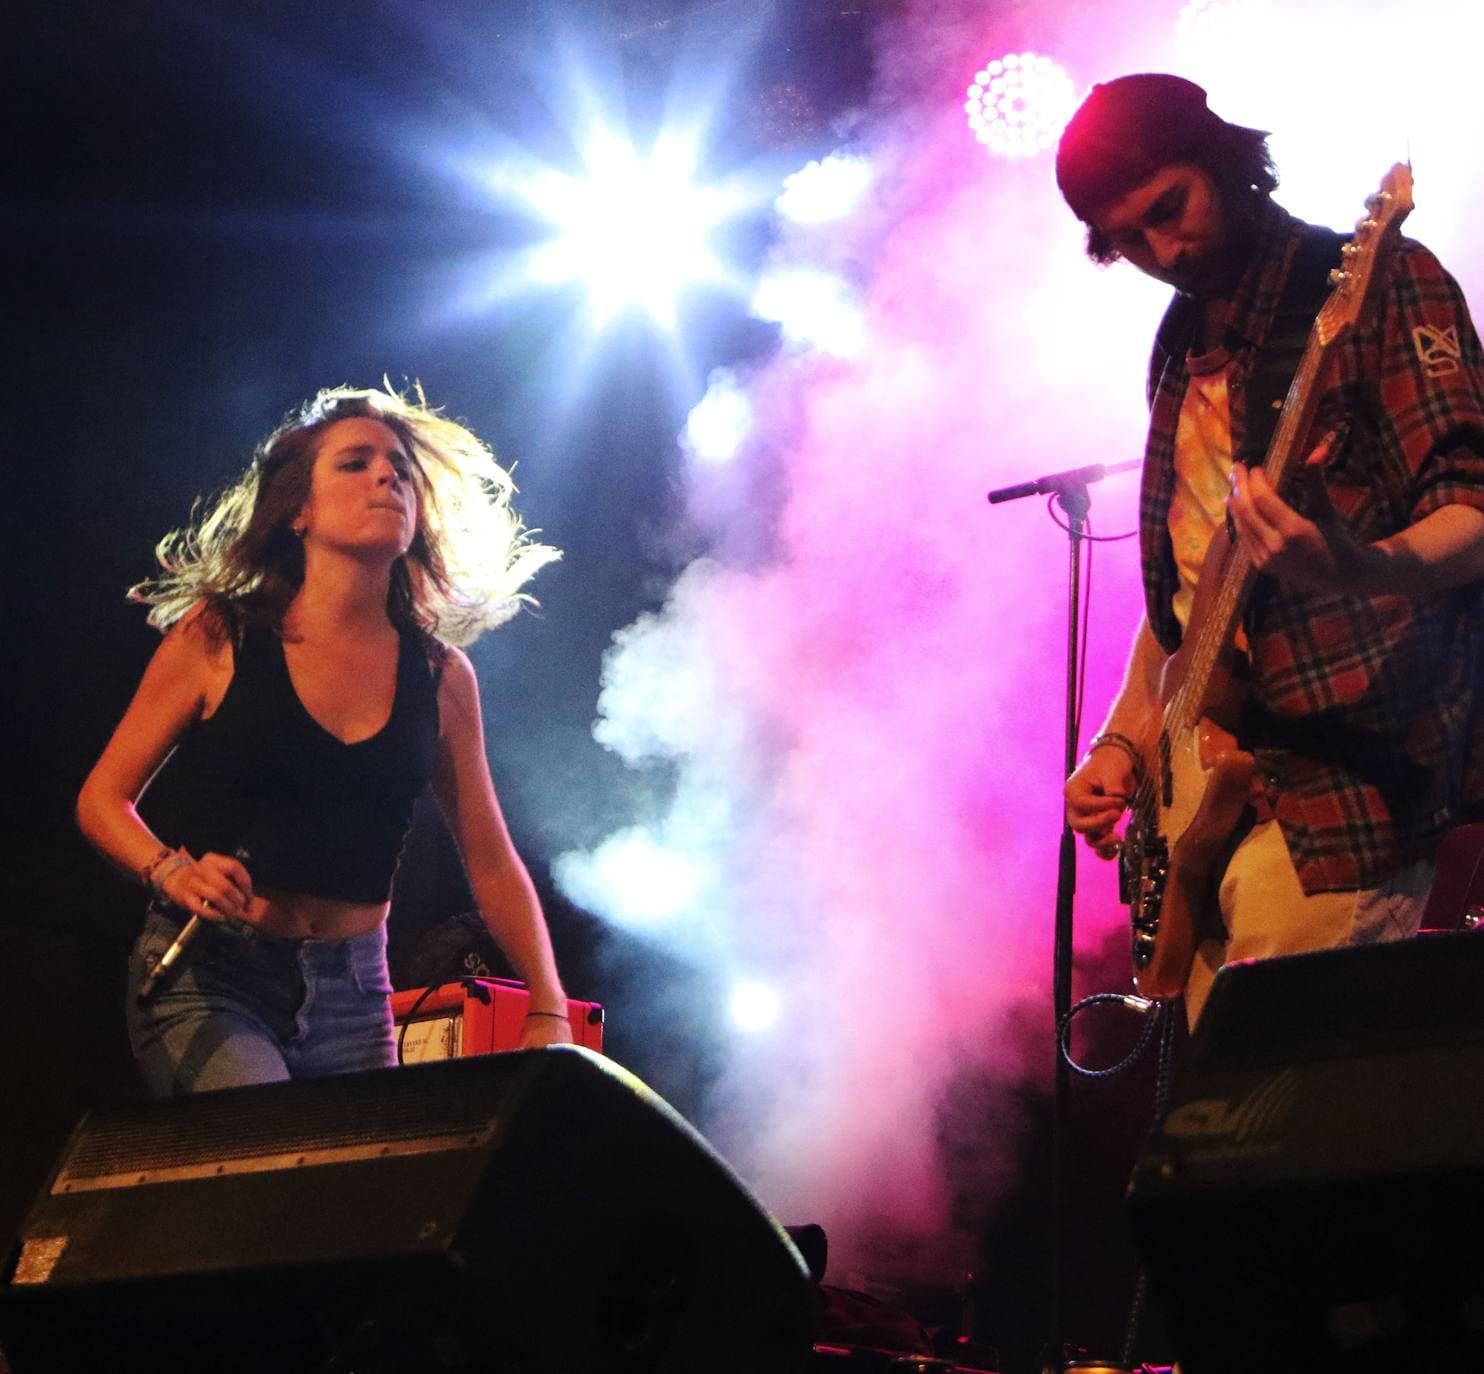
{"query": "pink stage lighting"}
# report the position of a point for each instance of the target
(1018, 104)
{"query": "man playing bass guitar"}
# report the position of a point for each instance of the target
(1357, 659)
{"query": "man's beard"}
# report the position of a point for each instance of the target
(1217, 273)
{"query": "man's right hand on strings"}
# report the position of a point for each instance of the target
(1097, 795)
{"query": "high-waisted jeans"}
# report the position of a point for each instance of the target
(258, 1010)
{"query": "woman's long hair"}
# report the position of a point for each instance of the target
(461, 575)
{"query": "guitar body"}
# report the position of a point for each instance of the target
(1179, 831)
(1176, 851)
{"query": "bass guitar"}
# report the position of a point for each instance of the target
(1196, 779)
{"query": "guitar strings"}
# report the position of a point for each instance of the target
(1217, 631)
(1181, 714)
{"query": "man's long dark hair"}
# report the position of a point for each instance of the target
(1238, 160)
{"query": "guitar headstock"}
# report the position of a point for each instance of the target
(1386, 208)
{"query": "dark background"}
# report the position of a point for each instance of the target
(213, 209)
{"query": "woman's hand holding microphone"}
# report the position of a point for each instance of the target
(213, 887)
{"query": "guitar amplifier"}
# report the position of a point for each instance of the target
(477, 1016)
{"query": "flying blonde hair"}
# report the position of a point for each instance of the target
(462, 574)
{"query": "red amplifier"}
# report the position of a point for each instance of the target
(477, 1016)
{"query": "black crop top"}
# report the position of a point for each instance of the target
(314, 815)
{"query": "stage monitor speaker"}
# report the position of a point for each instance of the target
(539, 1212)
(1314, 1198)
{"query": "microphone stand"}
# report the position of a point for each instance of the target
(1070, 491)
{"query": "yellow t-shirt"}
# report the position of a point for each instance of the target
(1203, 468)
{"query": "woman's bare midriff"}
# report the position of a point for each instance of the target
(293, 916)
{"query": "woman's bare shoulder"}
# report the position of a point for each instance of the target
(202, 638)
(458, 687)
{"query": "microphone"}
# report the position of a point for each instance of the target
(169, 959)
(1060, 483)
(179, 947)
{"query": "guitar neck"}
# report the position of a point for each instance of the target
(1213, 626)
(1211, 636)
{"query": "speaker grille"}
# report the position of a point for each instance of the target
(596, 1231)
(391, 1112)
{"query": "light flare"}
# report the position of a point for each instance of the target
(1218, 21)
(719, 424)
(832, 188)
(635, 230)
(754, 1007)
(634, 877)
(814, 309)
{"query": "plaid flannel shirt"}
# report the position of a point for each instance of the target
(1365, 711)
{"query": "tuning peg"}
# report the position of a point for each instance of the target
(1338, 276)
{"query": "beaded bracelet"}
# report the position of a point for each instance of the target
(1118, 741)
(157, 884)
(147, 871)
(160, 867)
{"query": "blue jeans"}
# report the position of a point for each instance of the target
(258, 1010)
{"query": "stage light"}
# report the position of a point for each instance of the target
(826, 190)
(1018, 104)
(812, 308)
(754, 1006)
(634, 230)
(1213, 23)
(720, 422)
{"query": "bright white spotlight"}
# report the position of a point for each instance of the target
(827, 190)
(814, 308)
(1212, 23)
(721, 420)
(754, 1006)
(634, 230)
(1018, 104)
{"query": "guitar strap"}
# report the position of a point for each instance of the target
(1305, 291)
(1277, 361)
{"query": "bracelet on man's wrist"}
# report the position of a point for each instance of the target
(556, 1015)
(1118, 741)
